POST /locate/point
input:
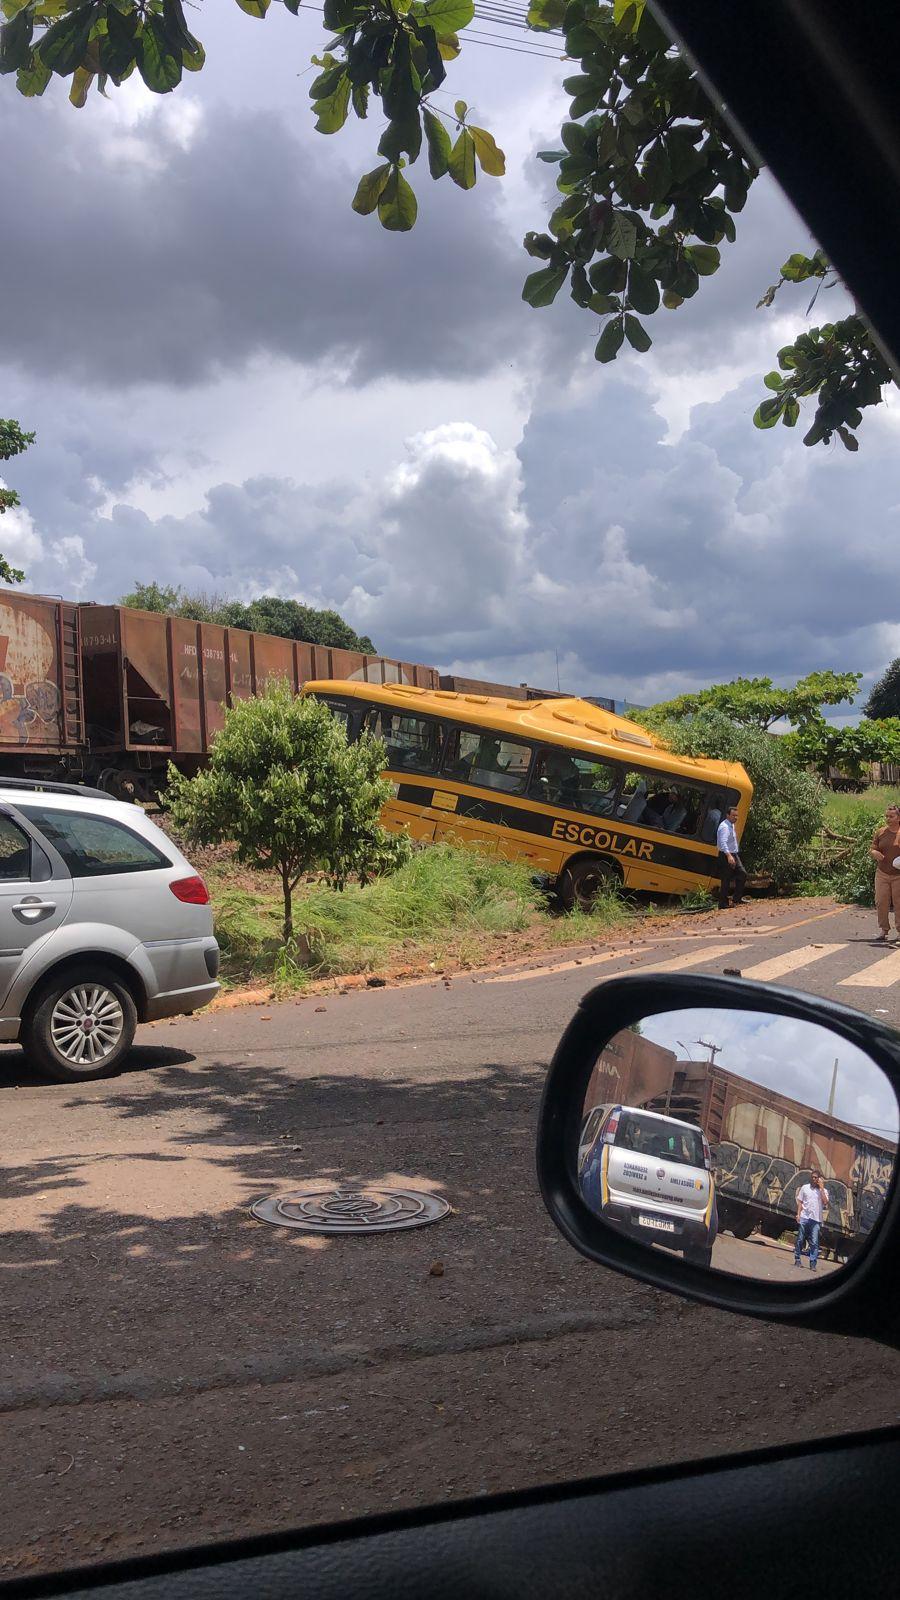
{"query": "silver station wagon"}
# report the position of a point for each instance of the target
(103, 924)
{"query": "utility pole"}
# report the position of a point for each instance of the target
(556, 653)
(714, 1049)
(833, 1087)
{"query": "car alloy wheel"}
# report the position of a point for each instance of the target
(86, 1024)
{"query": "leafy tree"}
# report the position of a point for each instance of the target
(850, 875)
(292, 620)
(285, 788)
(174, 600)
(759, 703)
(849, 750)
(884, 701)
(269, 614)
(650, 173)
(12, 442)
(786, 810)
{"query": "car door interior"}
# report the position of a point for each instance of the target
(813, 88)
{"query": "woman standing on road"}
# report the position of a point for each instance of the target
(885, 850)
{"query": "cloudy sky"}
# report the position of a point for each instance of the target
(782, 1053)
(240, 386)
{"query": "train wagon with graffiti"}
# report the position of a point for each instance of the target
(764, 1144)
(110, 695)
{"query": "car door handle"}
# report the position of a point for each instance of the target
(33, 908)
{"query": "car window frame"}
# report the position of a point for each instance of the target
(51, 849)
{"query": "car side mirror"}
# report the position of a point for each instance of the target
(733, 1142)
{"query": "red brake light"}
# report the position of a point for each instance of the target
(707, 1157)
(611, 1126)
(192, 891)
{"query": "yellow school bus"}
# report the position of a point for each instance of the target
(585, 797)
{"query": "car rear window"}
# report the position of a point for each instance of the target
(94, 847)
(661, 1141)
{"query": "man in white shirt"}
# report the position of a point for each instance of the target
(812, 1209)
(732, 876)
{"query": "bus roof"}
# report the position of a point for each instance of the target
(564, 721)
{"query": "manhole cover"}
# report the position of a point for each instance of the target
(371, 1209)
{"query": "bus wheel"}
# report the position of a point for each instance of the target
(580, 884)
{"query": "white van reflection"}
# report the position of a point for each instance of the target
(650, 1175)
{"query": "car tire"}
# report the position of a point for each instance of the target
(699, 1255)
(580, 884)
(56, 1036)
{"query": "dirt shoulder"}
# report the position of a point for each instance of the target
(542, 942)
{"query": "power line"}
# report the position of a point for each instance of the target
(496, 42)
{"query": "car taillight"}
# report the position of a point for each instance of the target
(192, 891)
(610, 1134)
(707, 1158)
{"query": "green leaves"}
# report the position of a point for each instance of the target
(643, 290)
(622, 236)
(446, 16)
(610, 341)
(546, 14)
(159, 61)
(397, 208)
(488, 152)
(332, 109)
(438, 144)
(541, 288)
(704, 258)
(369, 190)
(63, 46)
(636, 333)
(461, 163)
(254, 8)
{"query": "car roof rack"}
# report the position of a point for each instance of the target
(50, 786)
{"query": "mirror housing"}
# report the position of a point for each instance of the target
(863, 1299)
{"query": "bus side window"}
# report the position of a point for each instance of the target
(413, 743)
(714, 813)
(487, 760)
(341, 713)
(569, 779)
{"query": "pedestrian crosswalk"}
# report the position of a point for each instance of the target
(878, 974)
(882, 972)
(790, 961)
(872, 968)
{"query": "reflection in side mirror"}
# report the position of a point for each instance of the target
(751, 1142)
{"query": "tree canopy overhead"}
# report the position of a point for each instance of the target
(651, 176)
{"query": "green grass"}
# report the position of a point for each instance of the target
(842, 808)
(444, 904)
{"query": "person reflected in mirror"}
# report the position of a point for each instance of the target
(885, 850)
(812, 1210)
(732, 876)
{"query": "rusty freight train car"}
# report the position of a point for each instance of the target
(111, 695)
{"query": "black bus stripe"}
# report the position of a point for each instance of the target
(607, 838)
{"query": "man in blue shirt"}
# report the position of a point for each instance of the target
(732, 876)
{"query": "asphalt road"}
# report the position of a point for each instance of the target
(173, 1370)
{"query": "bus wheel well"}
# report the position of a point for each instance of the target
(584, 876)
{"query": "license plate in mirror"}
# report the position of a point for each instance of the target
(657, 1222)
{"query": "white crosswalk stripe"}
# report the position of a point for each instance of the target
(790, 961)
(879, 974)
(695, 958)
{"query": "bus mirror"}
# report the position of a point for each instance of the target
(723, 1139)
